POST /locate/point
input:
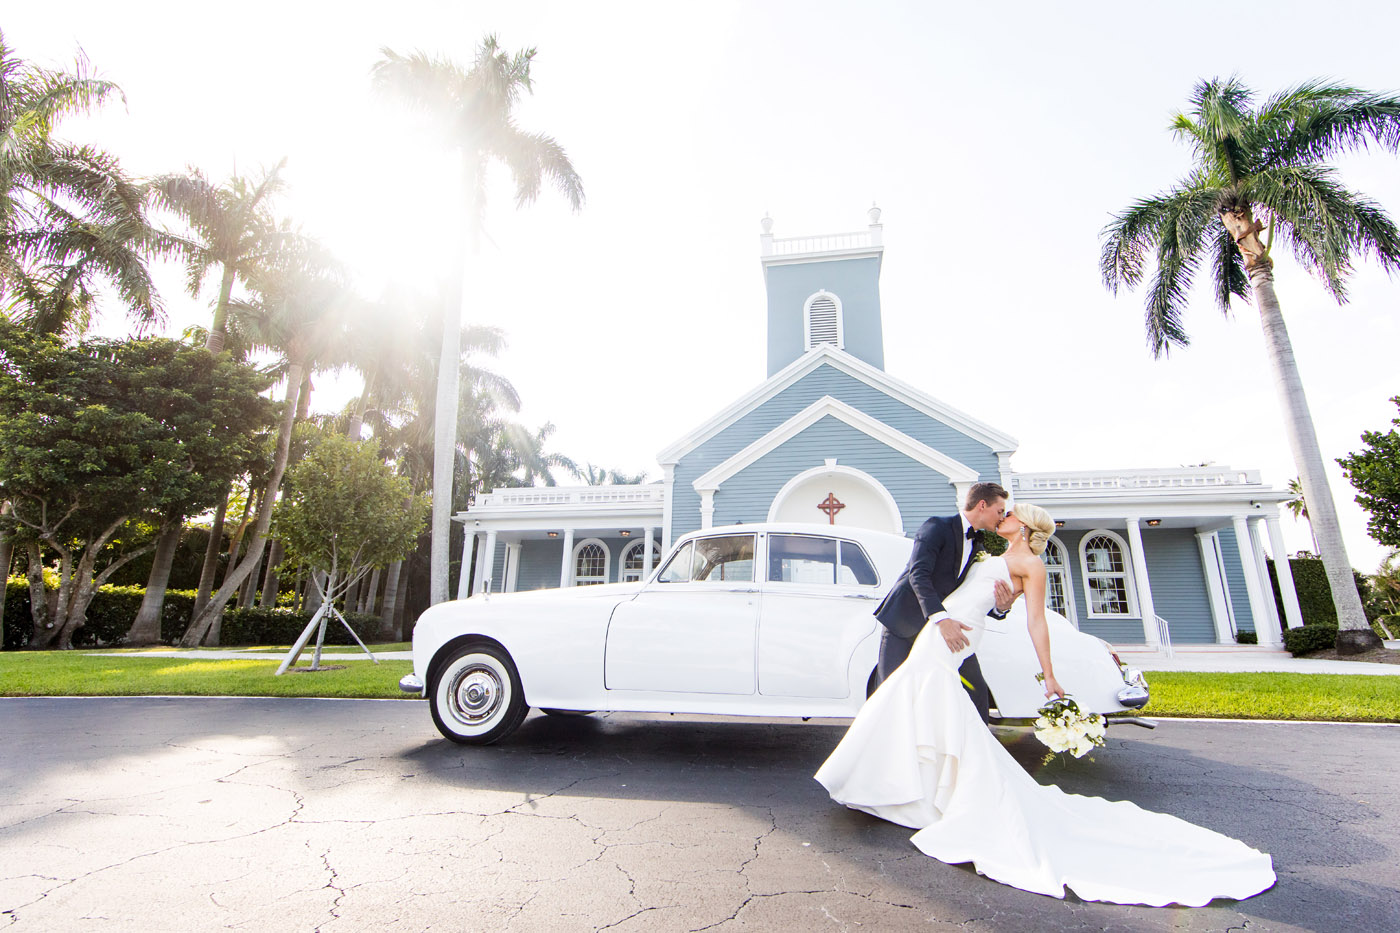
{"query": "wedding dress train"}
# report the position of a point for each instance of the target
(919, 755)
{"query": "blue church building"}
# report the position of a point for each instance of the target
(1149, 557)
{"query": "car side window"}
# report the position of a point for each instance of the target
(856, 567)
(677, 569)
(801, 559)
(724, 559)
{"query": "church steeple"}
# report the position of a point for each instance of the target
(824, 290)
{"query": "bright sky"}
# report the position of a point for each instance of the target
(998, 143)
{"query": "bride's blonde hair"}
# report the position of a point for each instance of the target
(1039, 525)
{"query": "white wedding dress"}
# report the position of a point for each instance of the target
(919, 755)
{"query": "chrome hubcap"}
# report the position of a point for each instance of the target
(475, 694)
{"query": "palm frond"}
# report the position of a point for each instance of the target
(1228, 273)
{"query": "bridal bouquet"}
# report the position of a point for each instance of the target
(1063, 727)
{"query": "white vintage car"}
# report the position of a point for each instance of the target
(771, 620)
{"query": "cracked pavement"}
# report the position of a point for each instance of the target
(149, 813)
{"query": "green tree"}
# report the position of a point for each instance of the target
(70, 219)
(298, 313)
(1261, 173)
(1375, 472)
(473, 109)
(344, 511)
(98, 437)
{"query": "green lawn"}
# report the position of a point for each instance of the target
(1338, 697)
(78, 673)
(1331, 697)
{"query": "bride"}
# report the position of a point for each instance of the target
(919, 755)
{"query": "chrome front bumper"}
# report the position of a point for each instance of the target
(410, 683)
(1134, 694)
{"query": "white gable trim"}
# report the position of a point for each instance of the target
(940, 463)
(851, 366)
(870, 482)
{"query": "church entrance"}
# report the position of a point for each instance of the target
(837, 495)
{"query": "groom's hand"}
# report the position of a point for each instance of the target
(1005, 596)
(952, 631)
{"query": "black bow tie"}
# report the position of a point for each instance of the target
(971, 533)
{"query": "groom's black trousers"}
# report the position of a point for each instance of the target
(894, 649)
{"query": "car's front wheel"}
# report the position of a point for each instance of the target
(475, 695)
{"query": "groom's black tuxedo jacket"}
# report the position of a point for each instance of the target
(933, 572)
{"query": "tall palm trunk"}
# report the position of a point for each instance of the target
(268, 599)
(202, 622)
(6, 557)
(214, 342)
(1354, 633)
(389, 612)
(368, 593)
(211, 557)
(146, 629)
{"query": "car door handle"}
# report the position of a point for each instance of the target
(858, 596)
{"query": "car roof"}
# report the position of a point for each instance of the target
(804, 528)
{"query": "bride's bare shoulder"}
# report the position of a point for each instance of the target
(1025, 565)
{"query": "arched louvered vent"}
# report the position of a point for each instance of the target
(823, 321)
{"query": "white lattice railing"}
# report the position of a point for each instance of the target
(829, 243)
(544, 496)
(1164, 636)
(1191, 477)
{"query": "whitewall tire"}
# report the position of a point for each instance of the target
(475, 695)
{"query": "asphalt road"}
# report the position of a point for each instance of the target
(266, 814)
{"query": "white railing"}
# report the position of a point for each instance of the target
(1164, 636)
(828, 243)
(1190, 477)
(541, 496)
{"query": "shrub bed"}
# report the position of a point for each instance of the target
(1310, 638)
(114, 608)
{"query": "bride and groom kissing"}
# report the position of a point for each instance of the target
(920, 755)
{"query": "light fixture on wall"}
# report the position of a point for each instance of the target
(1060, 523)
(552, 534)
(625, 533)
(1154, 522)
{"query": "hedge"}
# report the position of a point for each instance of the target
(1310, 638)
(1315, 593)
(114, 608)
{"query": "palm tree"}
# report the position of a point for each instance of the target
(231, 226)
(69, 217)
(474, 109)
(1298, 506)
(299, 313)
(1261, 173)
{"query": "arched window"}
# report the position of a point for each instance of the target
(1059, 592)
(634, 557)
(590, 562)
(1108, 584)
(822, 321)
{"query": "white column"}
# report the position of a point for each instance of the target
(479, 576)
(565, 577)
(490, 556)
(1253, 584)
(1143, 585)
(1256, 541)
(514, 550)
(464, 577)
(707, 508)
(1213, 572)
(649, 558)
(668, 488)
(1291, 609)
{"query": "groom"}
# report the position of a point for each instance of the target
(944, 548)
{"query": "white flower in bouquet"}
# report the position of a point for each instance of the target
(1063, 727)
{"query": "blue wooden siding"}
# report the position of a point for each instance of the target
(856, 282)
(919, 491)
(823, 381)
(1178, 584)
(1234, 574)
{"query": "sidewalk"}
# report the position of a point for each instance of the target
(1207, 658)
(1246, 659)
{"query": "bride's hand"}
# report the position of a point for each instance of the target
(1005, 595)
(952, 631)
(1053, 688)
